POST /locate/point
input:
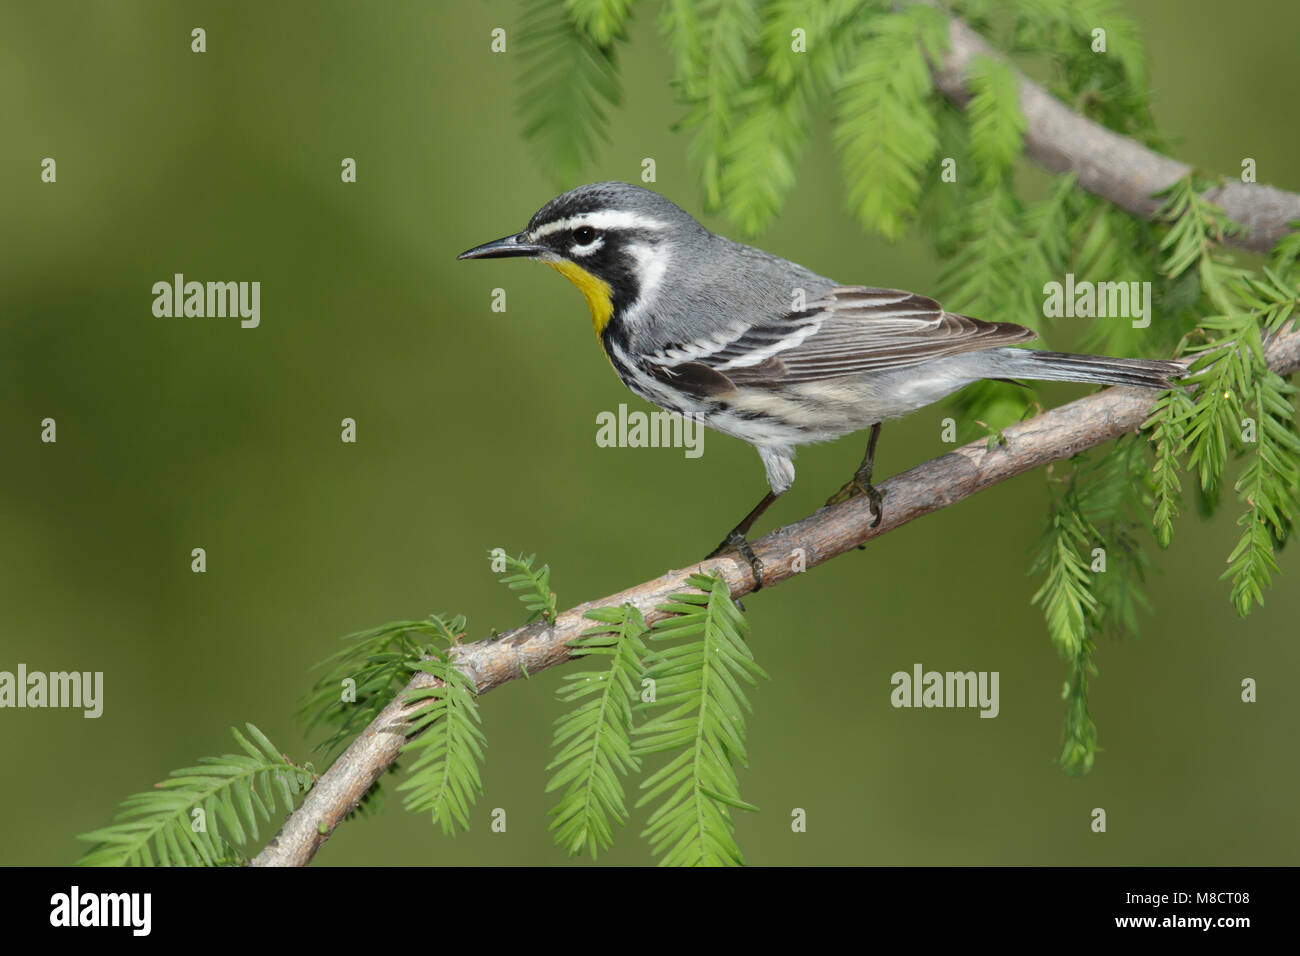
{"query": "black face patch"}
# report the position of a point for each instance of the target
(611, 261)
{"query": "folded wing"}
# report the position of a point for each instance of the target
(849, 331)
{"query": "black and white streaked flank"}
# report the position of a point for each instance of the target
(760, 347)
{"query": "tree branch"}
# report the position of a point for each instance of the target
(1107, 164)
(927, 488)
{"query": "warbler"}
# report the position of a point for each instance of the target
(768, 351)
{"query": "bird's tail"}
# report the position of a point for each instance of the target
(1091, 369)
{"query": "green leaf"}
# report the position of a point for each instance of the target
(593, 742)
(711, 43)
(1070, 607)
(997, 126)
(364, 677)
(885, 126)
(1267, 490)
(445, 746)
(159, 825)
(770, 130)
(536, 585)
(698, 718)
(975, 281)
(1167, 425)
(603, 21)
(568, 83)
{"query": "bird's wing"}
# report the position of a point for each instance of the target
(850, 330)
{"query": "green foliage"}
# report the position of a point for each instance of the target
(1112, 246)
(1066, 594)
(885, 127)
(831, 35)
(1109, 87)
(593, 742)
(363, 678)
(1094, 570)
(997, 127)
(995, 238)
(1079, 747)
(602, 20)
(944, 208)
(757, 161)
(758, 168)
(989, 264)
(984, 277)
(198, 815)
(699, 715)
(711, 42)
(1070, 607)
(570, 80)
(1196, 232)
(1267, 489)
(771, 130)
(1168, 437)
(1287, 252)
(1111, 495)
(1222, 370)
(682, 23)
(446, 745)
(985, 274)
(1241, 406)
(1125, 65)
(1045, 229)
(536, 585)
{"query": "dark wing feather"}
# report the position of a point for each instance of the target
(853, 329)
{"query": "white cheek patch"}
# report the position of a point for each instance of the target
(652, 266)
(653, 261)
(588, 249)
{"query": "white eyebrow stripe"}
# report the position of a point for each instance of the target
(601, 219)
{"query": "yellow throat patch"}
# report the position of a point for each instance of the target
(596, 291)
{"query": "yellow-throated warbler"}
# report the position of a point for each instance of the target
(763, 349)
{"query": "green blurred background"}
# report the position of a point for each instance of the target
(476, 430)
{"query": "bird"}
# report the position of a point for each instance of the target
(765, 350)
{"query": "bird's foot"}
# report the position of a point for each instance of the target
(737, 542)
(856, 488)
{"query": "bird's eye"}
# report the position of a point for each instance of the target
(584, 235)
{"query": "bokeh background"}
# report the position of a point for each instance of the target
(476, 430)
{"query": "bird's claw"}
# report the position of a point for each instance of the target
(856, 488)
(738, 543)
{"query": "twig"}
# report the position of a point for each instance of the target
(1108, 164)
(927, 488)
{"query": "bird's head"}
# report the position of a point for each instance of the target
(614, 241)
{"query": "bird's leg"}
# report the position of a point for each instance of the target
(860, 483)
(737, 540)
